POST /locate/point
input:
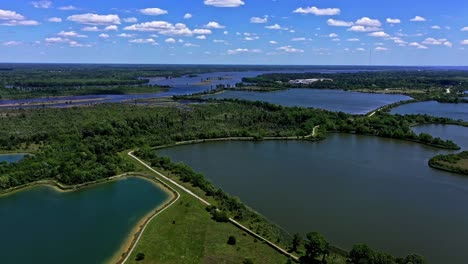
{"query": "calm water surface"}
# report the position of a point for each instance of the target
(457, 134)
(41, 225)
(353, 189)
(454, 111)
(333, 100)
(10, 158)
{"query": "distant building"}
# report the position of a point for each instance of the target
(308, 81)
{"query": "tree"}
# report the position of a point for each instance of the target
(231, 240)
(317, 249)
(361, 254)
(296, 242)
(140, 256)
(247, 261)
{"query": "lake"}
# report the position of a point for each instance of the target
(454, 111)
(42, 225)
(457, 134)
(353, 189)
(333, 100)
(11, 158)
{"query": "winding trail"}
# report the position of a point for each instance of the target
(234, 222)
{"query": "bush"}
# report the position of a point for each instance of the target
(231, 241)
(140, 256)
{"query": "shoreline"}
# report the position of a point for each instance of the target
(131, 240)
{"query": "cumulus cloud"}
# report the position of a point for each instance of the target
(318, 11)
(339, 23)
(170, 40)
(418, 19)
(104, 35)
(55, 19)
(14, 19)
(71, 34)
(379, 34)
(91, 29)
(353, 40)
(95, 19)
(130, 20)
(438, 42)
(363, 29)
(393, 21)
(224, 3)
(142, 41)
(187, 16)
(162, 27)
(67, 8)
(243, 50)
(276, 27)
(381, 49)
(57, 40)
(464, 42)
(435, 27)
(272, 42)
(111, 27)
(368, 22)
(259, 20)
(199, 31)
(125, 35)
(153, 11)
(290, 49)
(333, 35)
(214, 24)
(464, 29)
(10, 15)
(417, 45)
(12, 43)
(42, 4)
(202, 37)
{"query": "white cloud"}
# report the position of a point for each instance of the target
(104, 36)
(226, 32)
(125, 35)
(438, 42)
(130, 20)
(381, 49)
(418, 19)
(214, 24)
(317, 11)
(55, 19)
(435, 27)
(251, 38)
(153, 11)
(111, 27)
(417, 45)
(162, 27)
(187, 16)
(95, 19)
(57, 40)
(236, 51)
(298, 39)
(71, 34)
(224, 3)
(353, 40)
(339, 23)
(42, 4)
(290, 49)
(12, 43)
(201, 37)
(91, 29)
(143, 41)
(68, 8)
(219, 41)
(191, 45)
(368, 22)
(379, 34)
(464, 29)
(170, 40)
(393, 21)
(78, 45)
(276, 27)
(464, 42)
(360, 49)
(259, 20)
(333, 35)
(20, 23)
(272, 42)
(10, 15)
(200, 31)
(363, 29)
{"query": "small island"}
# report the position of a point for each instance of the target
(457, 163)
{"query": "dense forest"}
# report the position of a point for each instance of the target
(76, 145)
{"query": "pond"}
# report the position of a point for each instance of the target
(90, 225)
(333, 100)
(11, 158)
(353, 189)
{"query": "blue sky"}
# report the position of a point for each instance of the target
(314, 32)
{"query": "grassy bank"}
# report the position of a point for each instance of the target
(457, 163)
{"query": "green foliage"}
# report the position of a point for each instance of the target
(457, 163)
(363, 254)
(140, 256)
(231, 240)
(316, 249)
